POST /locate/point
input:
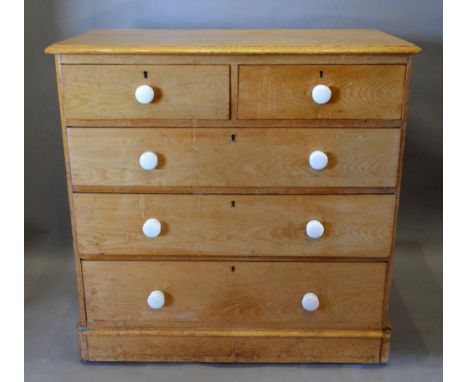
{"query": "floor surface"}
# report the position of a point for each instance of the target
(416, 312)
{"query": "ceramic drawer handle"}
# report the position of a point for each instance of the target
(315, 229)
(144, 94)
(148, 160)
(156, 299)
(318, 160)
(152, 228)
(321, 94)
(310, 302)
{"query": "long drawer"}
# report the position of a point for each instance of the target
(234, 225)
(250, 157)
(285, 91)
(234, 294)
(180, 91)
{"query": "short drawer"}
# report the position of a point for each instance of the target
(103, 92)
(285, 91)
(249, 158)
(234, 225)
(234, 294)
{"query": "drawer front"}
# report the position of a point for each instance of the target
(215, 157)
(235, 294)
(180, 91)
(234, 225)
(285, 91)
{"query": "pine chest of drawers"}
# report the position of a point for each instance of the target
(233, 193)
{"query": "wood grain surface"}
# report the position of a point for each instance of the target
(235, 123)
(245, 348)
(181, 91)
(397, 200)
(233, 118)
(66, 157)
(234, 295)
(234, 41)
(284, 91)
(197, 59)
(235, 225)
(248, 158)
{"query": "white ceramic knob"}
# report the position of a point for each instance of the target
(144, 94)
(321, 94)
(152, 228)
(310, 302)
(318, 160)
(156, 299)
(148, 160)
(315, 229)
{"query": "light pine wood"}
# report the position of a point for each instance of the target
(119, 59)
(253, 258)
(397, 193)
(234, 190)
(82, 341)
(246, 348)
(247, 295)
(298, 333)
(284, 91)
(234, 41)
(181, 91)
(202, 96)
(63, 125)
(387, 333)
(234, 90)
(233, 123)
(263, 225)
(248, 158)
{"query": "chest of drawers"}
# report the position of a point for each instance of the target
(233, 193)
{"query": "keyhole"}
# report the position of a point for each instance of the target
(233, 268)
(233, 137)
(321, 74)
(233, 203)
(145, 74)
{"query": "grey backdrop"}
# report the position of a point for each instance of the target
(416, 295)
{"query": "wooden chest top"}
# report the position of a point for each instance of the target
(234, 41)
